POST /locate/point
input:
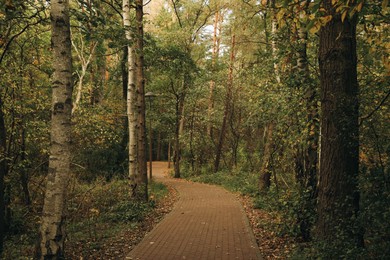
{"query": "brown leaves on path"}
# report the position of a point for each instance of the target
(271, 245)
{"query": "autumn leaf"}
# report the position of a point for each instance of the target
(343, 15)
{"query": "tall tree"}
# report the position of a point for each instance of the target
(307, 156)
(131, 100)
(265, 171)
(227, 106)
(216, 45)
(52, 233)
(140, 79)
(338, 196)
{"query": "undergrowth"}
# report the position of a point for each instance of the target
(287, 204)
(96, 212)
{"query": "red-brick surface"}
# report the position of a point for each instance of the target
(206, 223)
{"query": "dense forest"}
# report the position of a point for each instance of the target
(284, 101)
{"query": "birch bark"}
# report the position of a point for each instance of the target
(131, 99)
(52, 234)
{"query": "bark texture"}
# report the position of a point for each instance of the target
(131, 100)
(338, 197)
(52, 233)
(142, 167)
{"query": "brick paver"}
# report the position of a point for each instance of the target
(206, 223)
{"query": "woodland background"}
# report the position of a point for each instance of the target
(236, 102)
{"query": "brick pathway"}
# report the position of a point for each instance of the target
(206, 223)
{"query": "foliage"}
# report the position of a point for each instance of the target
(180, 67)
(97, 211)
(98, 136)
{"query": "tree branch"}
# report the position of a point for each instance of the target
(375, 109)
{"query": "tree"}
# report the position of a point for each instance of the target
(136, 101)
(338, 195)
(52, 233)
(140, 97)
(227, 107)
(307, 155)
(265, 171)
(131, 100)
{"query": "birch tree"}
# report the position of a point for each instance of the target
(52, 233)
(131, 99)
(136, 101)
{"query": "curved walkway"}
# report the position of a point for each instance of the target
(206, 223)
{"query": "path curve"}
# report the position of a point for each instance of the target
(207, 222)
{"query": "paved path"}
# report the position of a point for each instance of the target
(207, 222)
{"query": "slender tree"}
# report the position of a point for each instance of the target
(134, 177)
(265, 171)
(338, 196)
(227, 106)
(140, 79)
(52, 234)
(306, 157)
(216, 42)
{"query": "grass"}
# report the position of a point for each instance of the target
(97, 214)
(244, 183)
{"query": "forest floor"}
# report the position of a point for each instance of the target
(92, 238)
(119, 245)
(271, 245)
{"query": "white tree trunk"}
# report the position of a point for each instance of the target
(84, 66)
(131, 98)
(52, 234)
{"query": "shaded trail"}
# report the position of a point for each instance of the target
(207, 222)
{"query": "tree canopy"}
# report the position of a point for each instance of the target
(264, 90)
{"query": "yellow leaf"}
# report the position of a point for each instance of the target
(334, 2)
(315, 29)
(359, 7)
(326, 19)
(343, 15)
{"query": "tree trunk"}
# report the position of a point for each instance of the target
(177, 149)
(142, 167)
(131, 99)
(52, 234)
(226, 114)
(158, 154)
(265, 171)
(338, 196)
(23, 173)
(125, 71)
(3, 173)
(212, 82)
(84, 66)
(307, 158)
(169, 154)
